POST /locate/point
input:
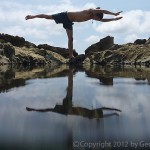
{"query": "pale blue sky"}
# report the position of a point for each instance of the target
(135, 23)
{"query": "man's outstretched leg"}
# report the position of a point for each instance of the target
(39, 16)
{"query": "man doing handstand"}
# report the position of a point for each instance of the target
(67, 19)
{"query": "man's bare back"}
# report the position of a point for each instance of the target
(80, 16)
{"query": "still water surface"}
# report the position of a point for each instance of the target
(60, 108)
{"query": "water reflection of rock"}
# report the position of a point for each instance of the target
(8, 81)
(103, 80)
(18, 73)
(107, 74)
(16, 76)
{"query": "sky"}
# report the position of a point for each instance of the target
(135, 23)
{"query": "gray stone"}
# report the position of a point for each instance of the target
(104, 44)
(140, 41)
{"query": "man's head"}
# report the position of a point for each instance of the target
(99, 15)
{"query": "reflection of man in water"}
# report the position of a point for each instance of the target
(67, 107)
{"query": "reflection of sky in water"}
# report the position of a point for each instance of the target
(129, 95)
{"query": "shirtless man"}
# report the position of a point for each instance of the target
(67, 19)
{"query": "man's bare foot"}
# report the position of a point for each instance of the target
(28, 17)
(71, 57)
(75, 53)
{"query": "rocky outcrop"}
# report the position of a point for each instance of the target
(14, 40)
(102, 45)
(29, 56)
(14, 49)
(126, 54)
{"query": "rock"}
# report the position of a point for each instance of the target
(62, 51)
(105, 52)
(104, 44)
(148, 41)
(30, 45)
(55, 58)
(77, 60)
(2, 41)
(1, 46)
(4, 60)
(75, 54)
(17, 50)
(14, 40)
(41, 51)
(140, 41)
(9, 50)
(80, 58)
(115, 47)
(1, 52)
(126, 54)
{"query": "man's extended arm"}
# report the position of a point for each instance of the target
(105, 12)
(108, 20)
(112, 19)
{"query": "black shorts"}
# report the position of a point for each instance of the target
(63, 18)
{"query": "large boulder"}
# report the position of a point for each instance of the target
(106, 43)
(14, 40)
(102, 45)
(140, 41)
(127, 54)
